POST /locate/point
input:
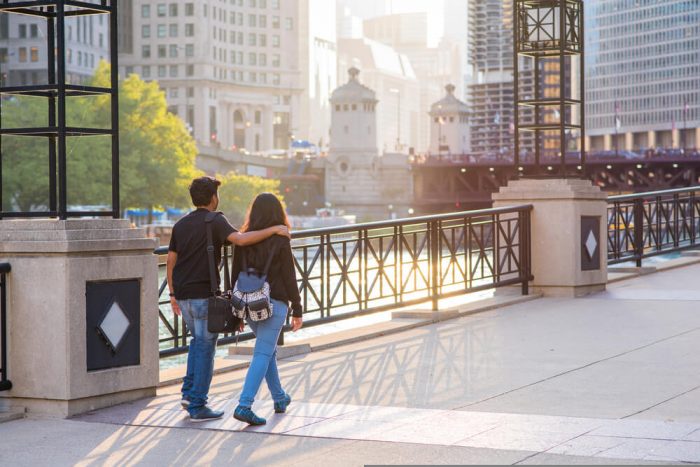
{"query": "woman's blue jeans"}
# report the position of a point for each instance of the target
(200, 357)
(264, 363)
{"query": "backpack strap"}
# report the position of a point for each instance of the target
(208, 219)
(270, 257)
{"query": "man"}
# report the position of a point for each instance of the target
(189, 284)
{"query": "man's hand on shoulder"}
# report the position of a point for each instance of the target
(283, 231)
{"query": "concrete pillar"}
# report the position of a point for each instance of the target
(568, 232)
(651, 139)
(675, 138)
(69, 278)
(697, 138)
(587, 145)
(607, 143)
(629, 141)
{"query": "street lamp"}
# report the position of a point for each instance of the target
(398, 116)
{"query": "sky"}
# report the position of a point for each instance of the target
(371, 8)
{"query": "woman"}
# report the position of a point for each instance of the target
(265, 211)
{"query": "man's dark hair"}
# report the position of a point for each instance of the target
(203, 189)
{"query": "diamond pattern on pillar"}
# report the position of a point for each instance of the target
(114, 326)
(591, 244)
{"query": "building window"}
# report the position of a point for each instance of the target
(173, 51)
(190, 92)
(240, 19)
(34, 30)
(145, 31)
(146, 51)
(22, 54)
(252, 59)
(162, 71)
(162, 10)
(263, 78)
(173, 93)
(102, 39)
(189, 30)
(275, 40)
(252, 21)
(263, 40)
(146, 71)
(252, 3)
(145, 11)
(173, 9)
(275, 4)
(189, 9)
(162, 51)
(173, 71)
(258, 117)
(162, 31)
(253, 77)
(262, 21)
(190, 70)
(173, 29)
(252, 39)
(276, 78)
(189, 50)
(288, 24)
(34, 54)
(128, 71)
(22, 31)
(240, 38)
(276, 22)
(263, 3)
(262, 60)
(276, 60)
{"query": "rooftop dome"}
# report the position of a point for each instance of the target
(449, 103)
(353, 90)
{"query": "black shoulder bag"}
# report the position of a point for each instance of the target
(220, 311)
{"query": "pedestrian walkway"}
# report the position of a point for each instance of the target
(611, 378)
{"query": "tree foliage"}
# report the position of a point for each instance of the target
(157, 154)
(238, 191)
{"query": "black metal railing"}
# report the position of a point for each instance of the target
(5, 383)
(654, 223)
(354, 270)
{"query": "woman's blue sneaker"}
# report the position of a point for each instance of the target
(281, 406)
(205, 414)
(246, 414)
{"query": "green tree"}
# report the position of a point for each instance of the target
(238, 191)
(157, 154)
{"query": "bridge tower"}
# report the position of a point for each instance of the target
(449, 125)
(359, 179)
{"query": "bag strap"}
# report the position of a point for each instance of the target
(269, 259)
(208, 219)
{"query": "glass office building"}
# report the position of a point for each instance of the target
(642, 74)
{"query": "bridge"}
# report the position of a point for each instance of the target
(486, 378)
(444, 183)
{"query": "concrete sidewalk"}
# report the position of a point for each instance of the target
(611, 378)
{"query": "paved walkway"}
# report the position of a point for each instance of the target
(611, 378)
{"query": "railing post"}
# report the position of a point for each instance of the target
(638, 231)
(434, 240)
(5, 383)
(524, 229)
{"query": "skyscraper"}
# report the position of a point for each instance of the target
(490, 86)
(643, 74)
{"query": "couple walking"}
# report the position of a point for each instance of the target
(266, 230)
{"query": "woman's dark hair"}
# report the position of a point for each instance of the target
(265, 211)
(202, 190)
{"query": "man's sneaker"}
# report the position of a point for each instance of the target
(206, 414)
(246, 414)
(281, 406)
(185, 402)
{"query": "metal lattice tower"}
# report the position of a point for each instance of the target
(57, 91)
(549, 34)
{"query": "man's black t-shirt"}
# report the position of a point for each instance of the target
(189, 241)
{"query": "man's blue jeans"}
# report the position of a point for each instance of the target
(264, 363)
(200, 358)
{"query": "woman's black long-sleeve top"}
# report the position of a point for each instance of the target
(282, 276)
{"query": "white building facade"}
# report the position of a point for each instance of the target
(241, 73)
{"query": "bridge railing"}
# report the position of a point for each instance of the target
(5, 384)
(642, 225)
(355, 270)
